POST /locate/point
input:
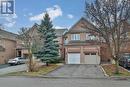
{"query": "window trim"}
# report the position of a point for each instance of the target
(75, 36)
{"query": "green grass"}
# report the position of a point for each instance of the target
(43, 70)
(110, 70)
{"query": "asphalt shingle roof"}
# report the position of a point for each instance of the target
(7, 35)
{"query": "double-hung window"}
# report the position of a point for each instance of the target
(75, 36)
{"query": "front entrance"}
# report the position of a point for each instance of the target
(19, 53)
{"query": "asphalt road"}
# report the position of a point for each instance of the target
(42, 82)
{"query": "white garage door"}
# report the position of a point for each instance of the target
(73, 58)
(92, 58)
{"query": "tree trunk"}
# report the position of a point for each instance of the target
(30, 61)
(47, 64)
(117, 67)
(30, 58)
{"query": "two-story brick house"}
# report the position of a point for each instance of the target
(7, 46)
(81, 47)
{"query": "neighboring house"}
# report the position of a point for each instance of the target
(60, 39)
(126, 46)
(83, 47)
(7, 46)
(33, 31)
(21, 50)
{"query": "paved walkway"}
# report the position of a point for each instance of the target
(13, 69)
(82, 71)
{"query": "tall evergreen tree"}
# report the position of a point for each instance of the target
(49, 51)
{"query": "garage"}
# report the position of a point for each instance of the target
(92, 58)
(73, 58)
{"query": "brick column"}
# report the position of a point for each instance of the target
(81, 55)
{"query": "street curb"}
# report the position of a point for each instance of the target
(47, 77)
(74, 77)
(120, 77)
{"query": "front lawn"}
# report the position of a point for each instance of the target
(110, 70)
(43, 70)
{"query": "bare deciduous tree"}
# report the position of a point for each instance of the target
(108, 18)
(27, 38)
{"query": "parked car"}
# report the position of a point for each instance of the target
(17, 61)
(125, 60)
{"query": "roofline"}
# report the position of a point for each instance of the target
(9, 39)
(8, 32)
(61, 29)
(12, 35)
(82, 18)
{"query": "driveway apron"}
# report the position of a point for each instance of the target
(82, 71)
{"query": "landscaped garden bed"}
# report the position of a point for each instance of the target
(110, 70)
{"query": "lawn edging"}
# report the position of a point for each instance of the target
(124, 68)
(105, 74)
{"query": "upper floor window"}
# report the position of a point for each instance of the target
(75, 36)
(91, 37)
(65, 41)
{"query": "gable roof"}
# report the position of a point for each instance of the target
(35, 26)
(77, 27)
(7, 35)
(59, 32)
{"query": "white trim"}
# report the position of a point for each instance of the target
(75, 36)
(104, 71)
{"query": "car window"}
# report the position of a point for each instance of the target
(21, 58)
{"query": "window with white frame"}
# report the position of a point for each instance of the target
(75, 36)
(87, 36)
(90, 37)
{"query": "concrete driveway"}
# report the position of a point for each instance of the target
(83, 71)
